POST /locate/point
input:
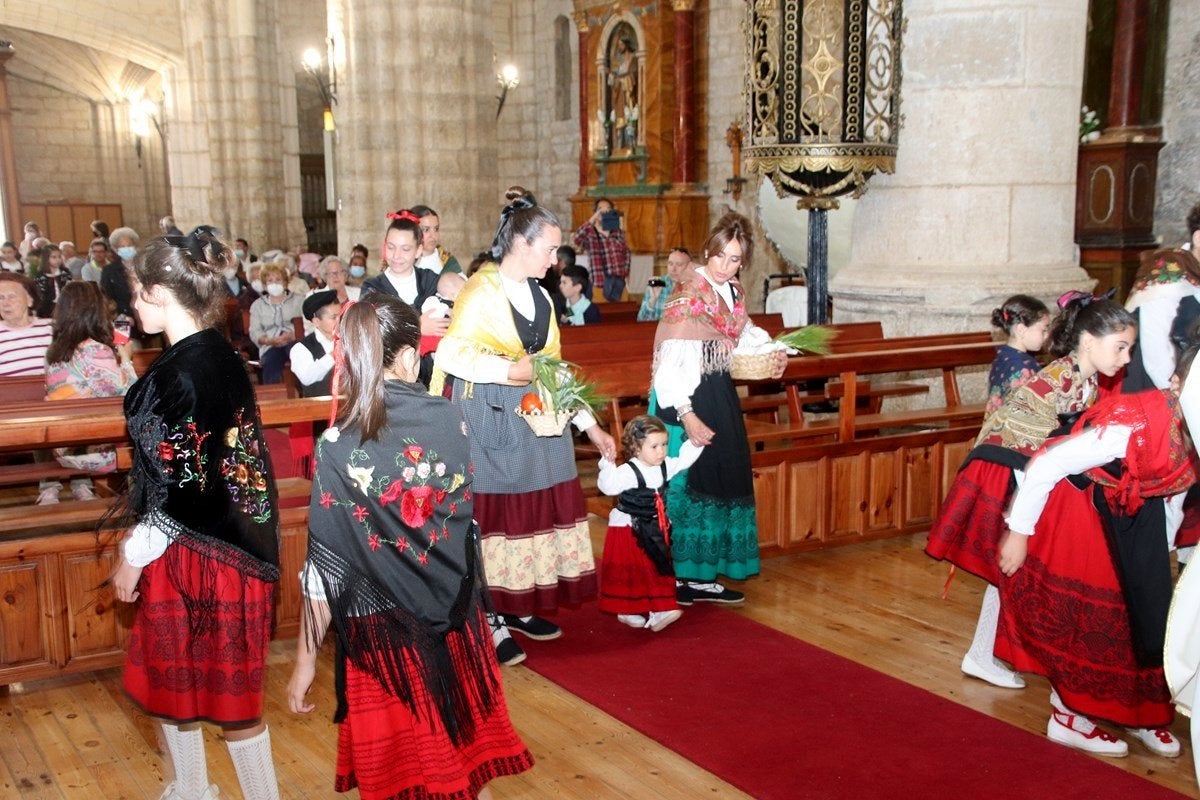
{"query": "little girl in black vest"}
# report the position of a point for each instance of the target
(637, 575)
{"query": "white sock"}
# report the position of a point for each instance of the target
(255, 767)
(984, 643)
(186, 747)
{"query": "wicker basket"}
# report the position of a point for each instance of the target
(752, 367)
(546, 424)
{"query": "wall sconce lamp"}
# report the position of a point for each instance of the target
(326, 84)
(734, 138)
(508, 78)
(142, 115)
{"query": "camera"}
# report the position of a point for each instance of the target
(610, 220)
(659, 282)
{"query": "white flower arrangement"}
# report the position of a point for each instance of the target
(1089, 125)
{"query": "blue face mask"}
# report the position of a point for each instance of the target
(127, 253)
(357, 272)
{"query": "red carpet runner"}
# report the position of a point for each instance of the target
(783, 720)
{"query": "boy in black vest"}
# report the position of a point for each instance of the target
(312, 356)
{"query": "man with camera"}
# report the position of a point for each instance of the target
(659, 289)
(608, 255)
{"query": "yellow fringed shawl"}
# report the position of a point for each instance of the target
(482, 325)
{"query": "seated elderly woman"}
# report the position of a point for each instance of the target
(333, 274)
(271, 326)
(23, 337)
(114, 276)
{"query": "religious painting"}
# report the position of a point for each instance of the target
(623, 98)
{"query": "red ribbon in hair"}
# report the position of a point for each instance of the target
(664, 524)
(404, 213)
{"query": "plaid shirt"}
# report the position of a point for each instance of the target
(608, 256)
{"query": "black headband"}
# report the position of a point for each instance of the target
(194, 243)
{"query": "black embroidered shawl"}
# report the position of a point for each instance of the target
(391, 536)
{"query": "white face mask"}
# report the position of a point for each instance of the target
(274, 289)
(229, 273)
(241, 254)
(256, 285)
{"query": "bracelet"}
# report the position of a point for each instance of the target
(683, 410)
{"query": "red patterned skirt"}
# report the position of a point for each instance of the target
(1063, 615)
(970, 522)
(389, 753)
(214, 674)
(629, 582)
(537, 549)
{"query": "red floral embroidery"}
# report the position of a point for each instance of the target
(361, 513)
(413, 453)
(402, 545)
(423, 558)
(393, 492)
(326, 500)
(466, 494)
(416, 506)
(166, 452)
(373, 541)
(433, 537)
(439, 496)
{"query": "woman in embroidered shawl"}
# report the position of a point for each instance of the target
(393, 566)
(1087, 572)
(203, 559)
(712, 502)
(1089, 336)
(536, 549)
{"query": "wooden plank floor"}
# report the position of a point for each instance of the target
(877, 604)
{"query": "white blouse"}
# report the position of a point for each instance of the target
(614, 479)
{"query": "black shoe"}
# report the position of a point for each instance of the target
(536, 628)
(707, 593)
(509, 653)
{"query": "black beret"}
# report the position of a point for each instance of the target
(318, 300)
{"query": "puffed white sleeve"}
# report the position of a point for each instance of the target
(309, 370)
(688, 454)
(1094, 447)
(614, 479)
(145, 543)
(677, 371)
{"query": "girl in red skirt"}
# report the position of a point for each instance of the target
(637, 573)
(1085, 600)
(203, 559)
(1090, 336)
(394, 566)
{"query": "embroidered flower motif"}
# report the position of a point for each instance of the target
(408, 473)
(423, 558)
(361, 513)
(466, 494)
(361, 476)
(423, 470)
(231, 437)
(458, 480)
(166, 452)
(332, 434)
(439, 469)
(433, 537)
(326, 500)
(392, 494)
(413, 453)
(439, 496)
(402, 545)
(373, 541)
(416, 507)
(244, 469)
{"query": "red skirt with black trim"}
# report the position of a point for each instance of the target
(1063, 615)
(970, 522)
(390, 753)
(215, 674)
(629, 582)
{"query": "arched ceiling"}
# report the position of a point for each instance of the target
(77, 69)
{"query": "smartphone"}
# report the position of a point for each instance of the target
(610, 220)
(659, 282)
(121, 329)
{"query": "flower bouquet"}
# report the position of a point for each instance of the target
(754, 357)
(557, 394)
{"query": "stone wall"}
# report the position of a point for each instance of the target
(70, 148)
(1179, 163)
(535, 148)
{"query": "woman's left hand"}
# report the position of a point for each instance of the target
(602, 440)
(781, 361)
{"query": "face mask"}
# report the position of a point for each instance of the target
(274, 290)
(127, 253)
(256, 285)
(229, 273)
(357, 272)
(241, 254)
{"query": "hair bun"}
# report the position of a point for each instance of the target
(515, 192)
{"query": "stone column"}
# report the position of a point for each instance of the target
(1129, 63)
(8, 159)
(229, 138)
(416, 118)
(684, 171)
(581, 23)
(1179, 161)
(981, 204)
